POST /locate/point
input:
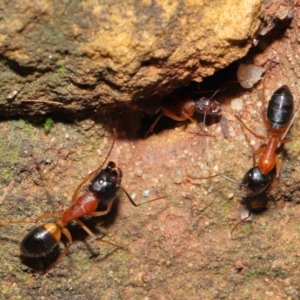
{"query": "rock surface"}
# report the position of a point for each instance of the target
(78, 56)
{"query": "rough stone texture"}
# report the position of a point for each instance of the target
(81, 55)
(179, 247)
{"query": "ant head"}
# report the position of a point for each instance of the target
(255, 181)
(208, 106)
(106, 183)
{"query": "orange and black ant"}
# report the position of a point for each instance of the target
(278, 119)
(183, 109)
(103, 187)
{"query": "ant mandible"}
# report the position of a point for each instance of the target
(184, 109)
(104, 185)
(278, 120)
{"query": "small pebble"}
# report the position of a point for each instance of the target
(236, 104)
(138, 172)
(146, 193)
(248, 75)
(11, 95)
(177, 177)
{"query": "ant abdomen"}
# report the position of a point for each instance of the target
(41, 240)
(280, 108)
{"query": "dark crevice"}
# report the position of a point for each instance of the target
(23, 71)
(84, 86)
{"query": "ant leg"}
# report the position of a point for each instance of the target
(250, 130)
(278, 166)
(46, 181)
(241, 221)
(200, 125)
(184, 116)
(102, 213)
(87, 230)
(89, 176)
(257, 151)
(135, 204)
(191, 119)
(173, 116)
(43, 216)
(67, 234)
(153, 124)
(47, 216)
(15, 223)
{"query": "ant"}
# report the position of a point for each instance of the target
(278, 119)
(103, 187)
(184, 109)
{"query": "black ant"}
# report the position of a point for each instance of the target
(104, 185)
(278, 120)
(183, 109)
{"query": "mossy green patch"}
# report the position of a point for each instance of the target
(26, 127)
(9, 152)
(62, 70)
(48, 125)
(7, 174)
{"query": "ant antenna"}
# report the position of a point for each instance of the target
(134, 204)
(95, 171)
(220, 174)
(215, 93)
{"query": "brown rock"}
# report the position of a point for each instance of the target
(75, 56)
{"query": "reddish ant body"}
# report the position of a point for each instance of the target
(184, 109)
(104, 185)
(278, 119)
